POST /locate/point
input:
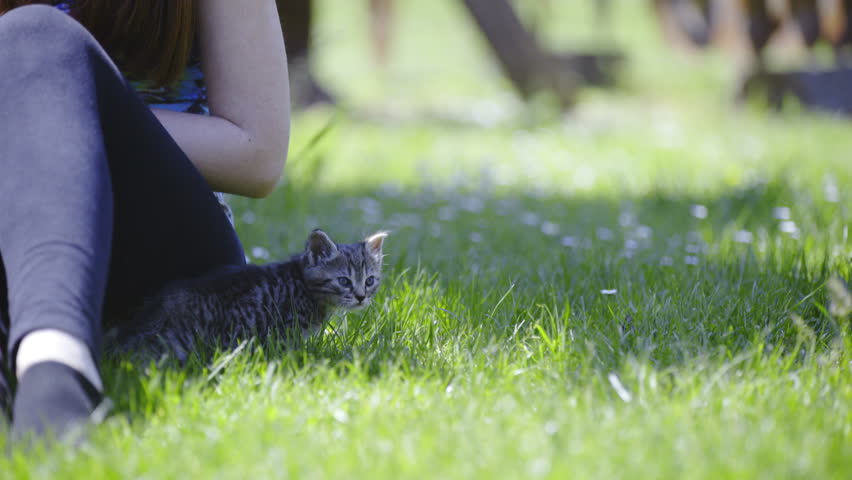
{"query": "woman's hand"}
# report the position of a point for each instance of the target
(242, 147)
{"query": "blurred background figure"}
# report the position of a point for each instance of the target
(805, 16)
(786, 27)
(296, 21)
(837, 28)
(530, 67)
(686, 18)
(777, 43)
(381, 16)
(761, 25)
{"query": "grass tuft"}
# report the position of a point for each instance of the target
(654, 285)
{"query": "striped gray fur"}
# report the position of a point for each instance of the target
(228, 305)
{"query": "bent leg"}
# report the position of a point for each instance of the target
(97, 197)
(55, 190)
(87, 160)
(5, 391)
(56, 195)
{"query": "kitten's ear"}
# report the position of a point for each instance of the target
(320, 247)
(374, 244)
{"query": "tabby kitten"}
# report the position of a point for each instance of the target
(254, 300)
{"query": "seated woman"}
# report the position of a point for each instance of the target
(107, 185)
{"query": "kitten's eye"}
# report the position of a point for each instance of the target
(370, 281)
(344, 282)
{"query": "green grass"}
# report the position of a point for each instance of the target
(554, 304)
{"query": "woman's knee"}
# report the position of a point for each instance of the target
(36, 36)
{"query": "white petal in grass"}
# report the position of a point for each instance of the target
(446, 213)
(674, 242)
(631, 244)
(669, 134)
(540, 467)
(840, 298)
(435, 230)
(643, 232)
(606, 291)
(390, 190)
(781, 213)
(472, 204)
(626, 219)
(370, 206)
(584, 177)
(619, 388)
(551, 427)
(511, 204)
(691, 260)
(248, 217)
(604, 234)
(475, 237)
(830, 190)
(693, 248)
(666, 261)
(743, 236)
(788, 226)
(487, 174)
(568, 241)
(698, 211)
(753, 147)
(529, 219)
(340, 415)
(549, 228)
(693, 236)
(489, 113)
(260, 253)
(504, 178)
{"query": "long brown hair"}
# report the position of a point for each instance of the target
(149, 40)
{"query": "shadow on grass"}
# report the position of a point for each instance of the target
(515, 279)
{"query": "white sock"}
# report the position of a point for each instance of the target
(50, 345)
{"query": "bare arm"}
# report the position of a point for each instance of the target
(241, 148)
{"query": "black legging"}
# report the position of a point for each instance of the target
(99, 207)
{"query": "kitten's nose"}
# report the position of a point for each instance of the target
(360, 298)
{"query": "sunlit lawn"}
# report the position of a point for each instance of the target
(634, 290)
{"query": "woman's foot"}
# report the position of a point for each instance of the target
(59, 385)
(54, 399)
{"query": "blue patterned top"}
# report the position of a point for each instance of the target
(188, 94)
